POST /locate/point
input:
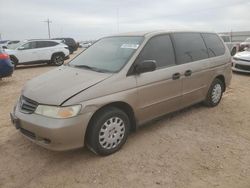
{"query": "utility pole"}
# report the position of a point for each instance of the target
(117, 19)
(0, 36)
(48, 22)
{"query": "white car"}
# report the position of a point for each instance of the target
(85, 44)
(6, 43)
(241, 62)
(38, 51)
(232, 46)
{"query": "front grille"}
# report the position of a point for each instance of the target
(242, 67)
(28, 133)
(27, 106)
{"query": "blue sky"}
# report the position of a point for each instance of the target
(92, 19)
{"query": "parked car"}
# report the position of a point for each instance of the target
(232, 46)
(85, 44)
(38, 51)
(6, 43)
(6, 67)
(120, 83)
(244, 45)
(241, 62)
(70, 42)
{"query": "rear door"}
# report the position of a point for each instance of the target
(45, 49)
(158, 91)
(192, 57)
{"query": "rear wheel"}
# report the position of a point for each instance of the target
(57, 59)
(215, 93)
(108, 131)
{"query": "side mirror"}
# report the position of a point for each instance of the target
(145, 66)
(21, 48)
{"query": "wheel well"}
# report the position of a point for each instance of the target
(222, 78)
(122, 106)
(14, 58)
(57, 53)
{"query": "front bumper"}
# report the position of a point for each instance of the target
(51, 133)
(241, 66)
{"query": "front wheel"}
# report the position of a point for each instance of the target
(214, 93)
(233, 52)
(14, 61)
(57, 59)
(108, 131)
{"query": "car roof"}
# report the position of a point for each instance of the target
(157, 32)
(29, 40)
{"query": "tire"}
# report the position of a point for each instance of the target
(57, 59)
(108, 131)
(233, 52)
(215, 93)
(14, 61)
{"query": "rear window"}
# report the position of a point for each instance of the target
(214, 45)
(189, 47)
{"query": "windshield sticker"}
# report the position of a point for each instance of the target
(131, 46)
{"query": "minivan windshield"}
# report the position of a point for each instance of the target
(108, 54)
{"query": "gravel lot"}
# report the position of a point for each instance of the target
(196, 147)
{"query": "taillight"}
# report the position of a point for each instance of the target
(4, 56)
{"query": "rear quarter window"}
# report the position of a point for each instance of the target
(189, 47)
(214, 44)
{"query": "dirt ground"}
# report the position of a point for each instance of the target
(196, 147)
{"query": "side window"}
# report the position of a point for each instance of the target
(189, 47)
(214, 44)
(42, 44)
(29, 45)
(45, 44)
(160, 49)
(51, 43)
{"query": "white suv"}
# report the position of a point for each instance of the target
(38, 51)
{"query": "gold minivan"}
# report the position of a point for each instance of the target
(118, 84)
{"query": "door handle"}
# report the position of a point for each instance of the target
(176, 76)
(188, 73)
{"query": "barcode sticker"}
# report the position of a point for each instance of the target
(131, 46)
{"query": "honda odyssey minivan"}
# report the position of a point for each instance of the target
(120, 83)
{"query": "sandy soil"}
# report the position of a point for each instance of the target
(196, 147)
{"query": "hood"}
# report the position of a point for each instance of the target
(243, 55)
(245, 43)
(56, 86)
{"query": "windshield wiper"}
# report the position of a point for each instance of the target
(91, 68)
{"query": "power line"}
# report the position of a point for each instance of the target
(48, 22)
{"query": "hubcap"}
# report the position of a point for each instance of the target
(216, 93)
(111, 133)
(58, 60)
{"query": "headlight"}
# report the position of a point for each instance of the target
(58, 112)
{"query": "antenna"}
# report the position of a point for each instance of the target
(48, 22)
